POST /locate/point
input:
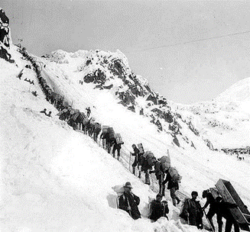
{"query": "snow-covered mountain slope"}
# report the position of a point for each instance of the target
(57, 179)
(54, 178)
(239, 92)
(225, 124)
(225, 121)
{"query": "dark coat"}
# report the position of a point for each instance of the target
(171, 182)
(159, 173)
(130, 199)
(158, 209)
(192, 211)
(223, 210)
(136, 154)
(117, 146)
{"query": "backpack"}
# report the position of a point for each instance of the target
(150, 158)
(165, 162)
(140, 147)
(105, 129)
(97, 127)
(111, 133)
(75, 116)
(175, 176)
(92, 120)
(118, 139)
(85, 121)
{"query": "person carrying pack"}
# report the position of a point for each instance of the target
(158, 208)
(97, 130)
(160, 174)
(85, 123)
(192, 211)
(212, 209)
(129, 202)
(104, 136)
(172, 178)
(165, 163)
(140, 158)
(110, 139)
(136, 154)
(148, 163)
(117, 145)
(223, 211)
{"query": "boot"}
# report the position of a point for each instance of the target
(134, 170)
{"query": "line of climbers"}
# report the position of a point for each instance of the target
(76, 119)
(145, 162)
(191, 210)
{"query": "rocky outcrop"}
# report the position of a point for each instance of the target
(5, 37)
(98, 77)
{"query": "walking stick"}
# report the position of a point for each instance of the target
(129, 162)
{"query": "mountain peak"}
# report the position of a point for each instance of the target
(5, 38)
(239, 92)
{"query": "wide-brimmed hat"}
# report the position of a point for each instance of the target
(194, 193)
(128, 185)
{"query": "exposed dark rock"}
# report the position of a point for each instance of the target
(98, 77)
(4, 37)
(108, 87)
(132, 108)
(191, 127)
(152, 98)
(176, 141)
(209, 144)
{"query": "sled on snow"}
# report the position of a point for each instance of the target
(241, 213)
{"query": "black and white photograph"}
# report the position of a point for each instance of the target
(124, 116)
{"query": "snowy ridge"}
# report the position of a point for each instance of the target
(239, 92)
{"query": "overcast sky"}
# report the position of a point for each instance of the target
(189, 51)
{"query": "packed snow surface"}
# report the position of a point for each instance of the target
(56, 179)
